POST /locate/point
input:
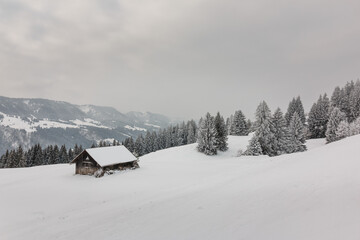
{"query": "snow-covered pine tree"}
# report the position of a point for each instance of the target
(254, 147)
(264, 129)
(148, 143)
(239, 126)
(344, 105)
(181, 135)
(206, 136)
(220, 133)
(281, 133)
(343, 130)
(300, 110)
(12, 160)
(154, 141)
(290, 111)
(229, 124)
(319, 117)
(63, 157)
(295, 106)
(191, 136)
(70, 154)
(38, 155)
(297, 134)
(55, 155)
(162, 139)
(336, 97)
(139, 146)
(169, 137)
(336, 116)
(21, 157)
(354, 102)
(249, 125)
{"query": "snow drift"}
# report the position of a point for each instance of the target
(179, 193)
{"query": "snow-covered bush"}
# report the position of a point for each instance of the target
(336, 116)
(342, 130)
(354, 127)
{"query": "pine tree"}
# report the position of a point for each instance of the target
(21, 158)
(129, 144)
(154, 138)
(229, 124)
(12, 161)
(139, 146)
(281, 133)
(55, 155)
(295, 106)
(38, 156)
(319, 117)
(297, 134)
(181, 135)
(191, 137)
(345, 104)
(254, 147)
(264, 129)
(239, 126)
(300, 110)
(63, 157)
(47, 155)
(77, 150)
(336, 117)
(162, 139)
(354, 102)
(220, 133)
(70, 154)
(148, 143)
(336, 97)
(249, 125)
(206, 136)
(290, 111)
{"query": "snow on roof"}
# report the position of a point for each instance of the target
(106, 156)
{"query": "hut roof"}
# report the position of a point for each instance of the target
(106, 156)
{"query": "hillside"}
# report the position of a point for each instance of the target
(179, 193)
(30, 121)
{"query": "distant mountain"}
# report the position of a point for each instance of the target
(29, 121)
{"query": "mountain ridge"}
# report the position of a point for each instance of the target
(28, 121)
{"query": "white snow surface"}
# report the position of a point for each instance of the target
(30, 126)
(152, 125)
(134, 128)
(16, 123)
(106, 156)
(179, 193)
(88, 122)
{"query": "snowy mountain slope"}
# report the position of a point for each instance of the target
(179, 193)
(31, 121)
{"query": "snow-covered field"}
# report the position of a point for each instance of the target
(179, 193)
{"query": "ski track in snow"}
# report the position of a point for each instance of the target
(179, 193)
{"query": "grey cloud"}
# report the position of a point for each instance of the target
(180, 58)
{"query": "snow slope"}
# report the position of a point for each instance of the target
(179, 193)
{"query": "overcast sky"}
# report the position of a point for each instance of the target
(180, 58)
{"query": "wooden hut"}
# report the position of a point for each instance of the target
(97, 161)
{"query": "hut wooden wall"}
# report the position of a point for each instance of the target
(85, 165)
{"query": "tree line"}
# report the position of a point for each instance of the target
(276, 134)
(36, 156)
(172, 136)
